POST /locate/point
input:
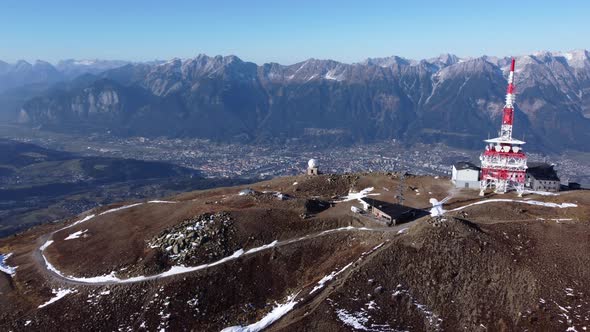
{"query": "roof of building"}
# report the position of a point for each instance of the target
(542, 171)
(461, 165)
(392, 209)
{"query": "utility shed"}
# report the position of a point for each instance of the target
(465, 175)
(391, 213)
(542, 177)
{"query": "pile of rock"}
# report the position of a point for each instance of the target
(199, 239)
(438, 221)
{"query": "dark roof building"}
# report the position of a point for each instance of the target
(542, 171)
(461, 165)
(574, 185)
(542, 177)
(392, 213)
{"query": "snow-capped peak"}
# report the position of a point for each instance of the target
(84, 62)
(575, 58)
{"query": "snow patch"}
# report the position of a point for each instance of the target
(4, 267)
(84, 62)
(530, 202)
(329, 277)
(332, 275)
(76, 235)
(356, 320)
(120, 208)
(88, 217)
(264, 247)
(331, 75)
(374, 248)
(360, 320)
(542, 193)
(357, 196)
(45, 245)
(59, 294)
(346, 228)
(372, 305)
(277, 312)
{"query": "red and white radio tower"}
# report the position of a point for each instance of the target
(503, 163)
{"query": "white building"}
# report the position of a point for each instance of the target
(312, 167)
(465, 175)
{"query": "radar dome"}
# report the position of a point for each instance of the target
(312, 163)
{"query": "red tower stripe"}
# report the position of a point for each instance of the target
(507, 118)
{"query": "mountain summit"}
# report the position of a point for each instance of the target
(301, 253)
(445, 99)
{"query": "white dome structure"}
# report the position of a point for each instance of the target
(312, 167)
(312, 163)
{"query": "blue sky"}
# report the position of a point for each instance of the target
(287, 31)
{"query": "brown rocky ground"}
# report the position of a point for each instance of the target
(495, 266)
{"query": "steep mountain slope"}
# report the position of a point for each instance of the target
(446, 99)
(22, 81)
(290, 255)
(23, 73)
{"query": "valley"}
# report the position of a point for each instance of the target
(39, 185)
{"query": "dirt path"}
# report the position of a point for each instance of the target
(39, 258)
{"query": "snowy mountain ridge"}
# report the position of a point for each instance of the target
(444, 99)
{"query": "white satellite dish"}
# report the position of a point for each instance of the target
(437, 209)
(312, 163)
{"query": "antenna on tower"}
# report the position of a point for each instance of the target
(503, 166)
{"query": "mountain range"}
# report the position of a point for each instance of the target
(24, 73)
(456, 101)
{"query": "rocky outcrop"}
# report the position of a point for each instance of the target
(201, 239)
